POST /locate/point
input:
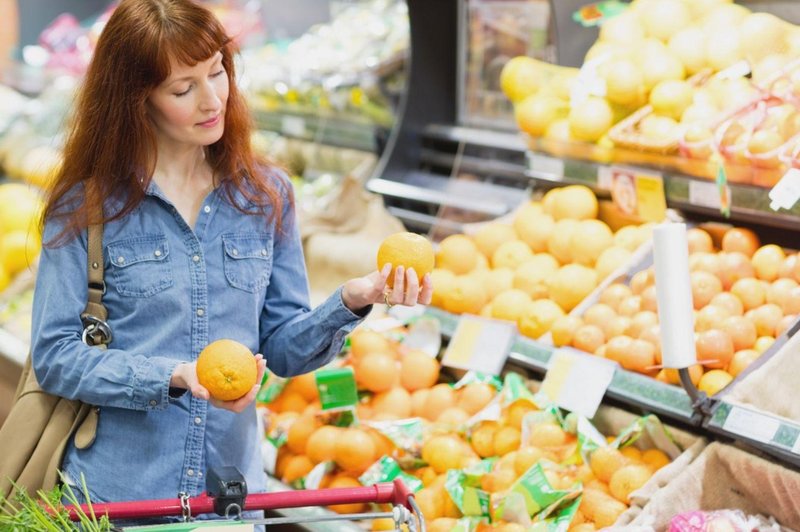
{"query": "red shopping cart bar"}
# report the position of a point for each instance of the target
(395, 493)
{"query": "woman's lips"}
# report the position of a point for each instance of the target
(211, 122)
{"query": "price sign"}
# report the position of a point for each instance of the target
(786, 193)
(480, 344)
(638, 192)
(753, 425)
(337, 388)
(706, 194)
(576, 381)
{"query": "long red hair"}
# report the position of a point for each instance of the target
(111, 148)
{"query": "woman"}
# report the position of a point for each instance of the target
(200, 243)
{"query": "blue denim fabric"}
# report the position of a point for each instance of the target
(172, 290)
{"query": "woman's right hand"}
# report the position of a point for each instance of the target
(185, 376)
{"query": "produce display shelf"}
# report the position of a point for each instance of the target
(341, 131)
(627, 387)
(773, 435)
(311, 512)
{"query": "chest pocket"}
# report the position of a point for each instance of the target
(248, 260)
(140, 266)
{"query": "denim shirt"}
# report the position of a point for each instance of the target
(171, 290)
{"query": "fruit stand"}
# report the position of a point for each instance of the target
(540, 146)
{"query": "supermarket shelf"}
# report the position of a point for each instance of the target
(684, 192)
(626, 387)
(12, 348)
(341, 131)
(274, 485)
(773, 435)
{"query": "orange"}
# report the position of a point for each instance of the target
(617, 326)
(640, 322)
(532, 275)
(589, 240)
(482, 439)
(574, 202)
(443, 281)
(499, 280)
(630, 306)
(497, 480)
(571, 284)
(627, 237)
(695, 374)
(710, 317)
(538, 317)
(364, 342)
(453, 416)
(641, 280)
(767, 261)
(588, 338)
(655, 458)
(652, 334)
(305, 385)
(395, 401)
(457, 253)
(598, 314)
(791, 305)
(292, 402)
(734, 266)
(704, 262)
(614, 295)
(418, 370)
(440, 398)
(442, 453)
(227, 369)
(714, 381)
(627, 480)
(766, 318)
(714, 348)
(490, 236)
(534, 228)
(376, 372)
(296, 468)
(510, 305)
(786, 322)
(611, 260)
(442, 524)
(632, 453)
(741, 360)
(763, 343)
(751, 293)
(606, 461)
(473, 397)
(468, 296)
(409, 250)
(418, 400)
(299, 433)
(729, 302)
(321, 445)
(546, 435)
(788, 267)
(740, 240)
(517, 411)
(526, 458)
(511, 254)
(559, 245)
(600, 507)
(506, 439)
(742, 331)
(699, 240)
(354, 451)
(780, 291)
(563, 330)
(704, 287)
(640, 356)
(343, 481)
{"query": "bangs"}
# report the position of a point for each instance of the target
(190, 42)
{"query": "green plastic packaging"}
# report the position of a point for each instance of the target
(530, 495)
(463, 486)
(386, 470)
(337, 388)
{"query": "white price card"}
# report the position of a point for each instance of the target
(293, 126)
(605, 177)
(786, 193)
(758, 427)
(546, 166)
(577, 381)
(705, 194)
(796, 446)
(480, 344)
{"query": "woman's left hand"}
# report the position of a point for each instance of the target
(364, 291)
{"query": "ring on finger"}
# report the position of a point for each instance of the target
(386, 300)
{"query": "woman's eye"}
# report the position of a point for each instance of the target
(217, 74)
(184, 93)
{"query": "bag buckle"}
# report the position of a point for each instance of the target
(95, 331)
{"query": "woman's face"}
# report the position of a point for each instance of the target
(188, 108)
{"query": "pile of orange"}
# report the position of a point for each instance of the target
(745, 295)
(539, 267)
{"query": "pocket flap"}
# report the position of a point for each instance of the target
(141, 248)
(247, 245)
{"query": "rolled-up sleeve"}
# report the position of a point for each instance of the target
(293, 338)
(67, 367)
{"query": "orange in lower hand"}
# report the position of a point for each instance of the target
(227, 369)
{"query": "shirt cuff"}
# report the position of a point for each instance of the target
(151, 390)
(347, 314)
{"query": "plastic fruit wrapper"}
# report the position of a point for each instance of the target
(386, 470)
(405, 434)
(728, 520)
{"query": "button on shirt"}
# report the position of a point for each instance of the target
(171, 291)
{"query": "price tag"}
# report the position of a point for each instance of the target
(337, 388)
(294, 126)
(705, 194)
(549, 167)
(786, 193)
(576, 381)
(650, 197)
(605, 177)
(751, 424)
(480, 345)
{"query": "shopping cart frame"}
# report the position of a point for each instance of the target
(405, 509)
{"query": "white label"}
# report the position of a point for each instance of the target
(425, 335)
(786, 193)
(480, 344)
(269, 455)
(550, 167)
(605, 177)
(576, 381)
(751, 424)
(704, 194)
(736, 70)
(316, 475)
(293, 126)
(796, 447)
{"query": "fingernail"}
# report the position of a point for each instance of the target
(411, 270)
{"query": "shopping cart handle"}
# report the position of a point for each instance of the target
(395, 493)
